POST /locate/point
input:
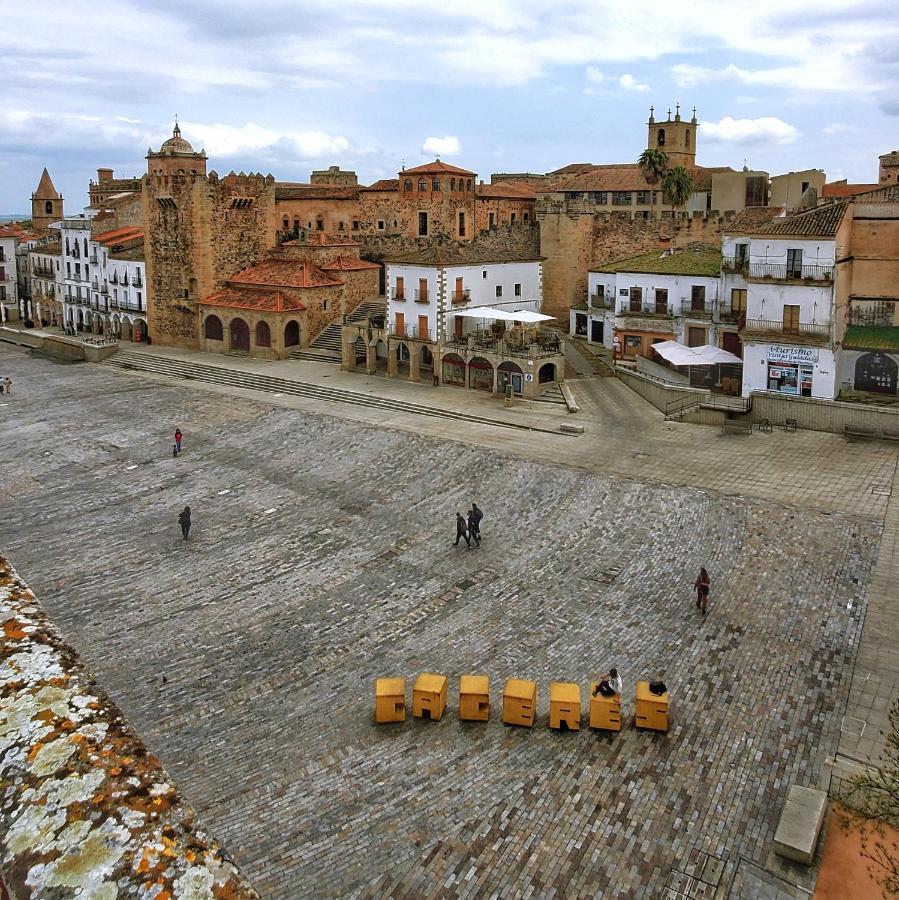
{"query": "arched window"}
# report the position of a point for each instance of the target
(296, 222)
(422, 184)
(452, 184)
(407, 184)
(435, 184)
(212, 328)
(319, 224)
(263, 335)
(48, 208)
(468, 185)
(660, 141)
(286, 223)
(292, 334)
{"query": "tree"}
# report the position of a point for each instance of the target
(874, 793)
(653, 164)
(677, 185)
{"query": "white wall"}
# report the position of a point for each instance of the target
(815, 251)
(766, 300)
(679, 288)
(758, 356)
(8, 245)
(408, 307)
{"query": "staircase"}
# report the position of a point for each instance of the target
(326, 346)
(194, 371)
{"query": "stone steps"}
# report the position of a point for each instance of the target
(329, 338)
(195, 371)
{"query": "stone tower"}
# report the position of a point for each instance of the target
(889, 168)
(675, 136)
(46, 205)
(199, 230)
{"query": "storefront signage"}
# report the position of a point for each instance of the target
(786, 354)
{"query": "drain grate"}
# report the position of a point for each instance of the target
(699, 878)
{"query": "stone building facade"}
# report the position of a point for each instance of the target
(46, 205)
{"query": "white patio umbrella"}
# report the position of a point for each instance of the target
(714, 355)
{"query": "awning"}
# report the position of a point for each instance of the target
(491, 312)
(708, 355)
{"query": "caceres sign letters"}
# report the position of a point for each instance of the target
(780, 353)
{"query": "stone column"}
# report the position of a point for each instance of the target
(415, 363)
(391, 361)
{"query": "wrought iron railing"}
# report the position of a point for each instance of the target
(804, 329)
(790, 272)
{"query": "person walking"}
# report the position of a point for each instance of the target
(702, 586)
(473, 528)
(7, 384)
(476, 516)
(461, 531)
(178, 437)
(184, 522)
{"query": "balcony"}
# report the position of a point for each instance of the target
(600, 301)
(802, 332)
(698, 310)
(659, 309)
(421, 296)
(786, 272)
(462, 296)
(398, 296)
(734, 263)
(734, 316)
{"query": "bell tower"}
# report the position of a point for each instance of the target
(675, 136)
(46, 205)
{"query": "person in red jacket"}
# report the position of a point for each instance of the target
(178, 437)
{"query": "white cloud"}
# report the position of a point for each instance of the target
(229, 140)
(442, 146)
(836, 128)
(594, 76)
(767, 129)
(629, 83)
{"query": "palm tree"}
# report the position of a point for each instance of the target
(677, 185)
(653, 164)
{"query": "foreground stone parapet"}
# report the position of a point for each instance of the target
(85, 809)
(800, 824)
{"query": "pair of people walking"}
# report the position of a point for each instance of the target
(6, 385)
(470, 527)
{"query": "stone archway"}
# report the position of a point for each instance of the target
(547, 373)
(876, 372)
(360, 351)
(240, 335)
(381, 356)
(212, 329)
(292, 333)
(453, 369)
(509, 373)
(402, 358)
(480, 374)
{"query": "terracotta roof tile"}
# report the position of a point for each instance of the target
(349, 264)
(572, 169)
(822, 221)
(508, 190)
(249, 298)
(839, 189)
(287, 273)
(748, 220)
(437, 168)
(385, 184)
(119, 235)
(624, 177)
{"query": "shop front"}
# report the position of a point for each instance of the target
(791, 369)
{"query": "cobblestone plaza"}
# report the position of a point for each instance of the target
(322, 558)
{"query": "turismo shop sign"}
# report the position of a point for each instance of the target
(780, 353)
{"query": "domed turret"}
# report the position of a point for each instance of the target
(176, 157)
(176, 143)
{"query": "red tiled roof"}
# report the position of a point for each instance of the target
(748, 220)
(249, 298)
(510, 190)
(349, 264)
(119, 235)
(10, 232)
(573, 169)
(385, 184)
(288, 273)
(625, 177)
(841, 189)
(437, 168)
(297, 191)
(822, 221)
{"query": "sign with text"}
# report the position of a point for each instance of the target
(786, 354)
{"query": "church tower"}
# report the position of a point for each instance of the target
(46, 205)
(675, 136)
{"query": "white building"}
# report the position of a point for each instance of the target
(786, 268)
(426, 288)
(118, 285)
(9, 296)
(75, 270)
(45, 280)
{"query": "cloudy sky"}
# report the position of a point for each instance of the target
(285, 86)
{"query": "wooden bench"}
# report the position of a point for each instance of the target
(890, 435)
(859, 434)
(736, 426)
(764, 425)
(790, 425)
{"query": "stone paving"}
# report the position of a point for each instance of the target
(321, 558)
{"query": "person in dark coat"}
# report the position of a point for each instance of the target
(461, 531)
(473, 528)
(476, 516)
(184, 521)
(702, 586)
